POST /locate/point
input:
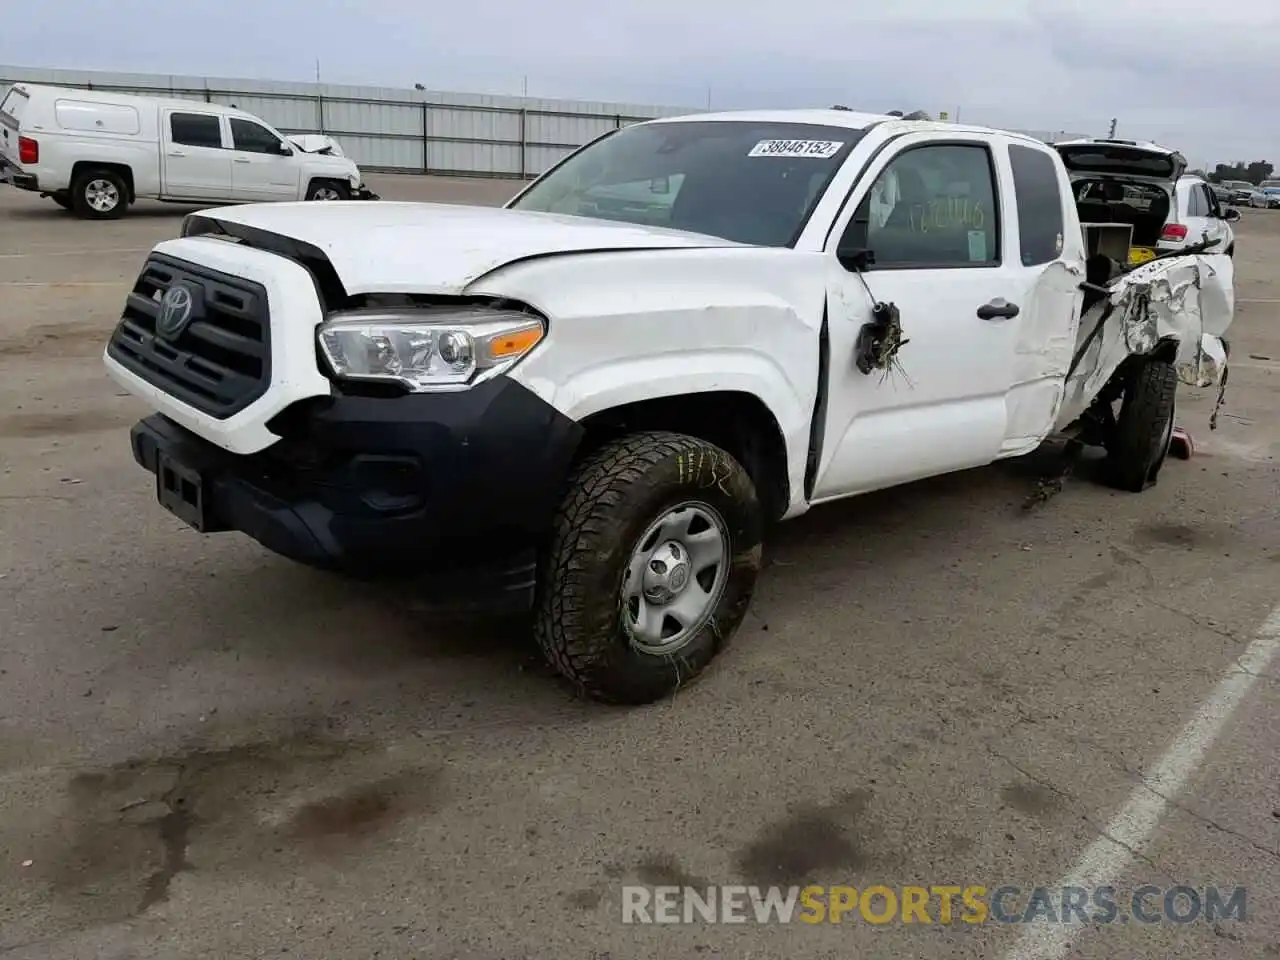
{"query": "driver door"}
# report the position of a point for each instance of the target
(941, 226)
(263, 167)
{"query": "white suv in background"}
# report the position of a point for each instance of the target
(1198, 216)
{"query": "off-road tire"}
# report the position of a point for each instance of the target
(80, 204)
(1139, 445)
(342, 190)
(613, 497)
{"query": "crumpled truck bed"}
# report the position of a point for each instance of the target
(1189, 298)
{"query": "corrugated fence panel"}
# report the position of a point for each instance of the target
(383, 128)
(382, 153)
(356, 116)
(563, 131)
(474, 159)
(461, 124)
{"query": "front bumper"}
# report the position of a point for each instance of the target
(363, 192)
(463, 486)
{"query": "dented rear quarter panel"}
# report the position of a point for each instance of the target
(1189, 299)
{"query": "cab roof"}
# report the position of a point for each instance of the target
(850, 119)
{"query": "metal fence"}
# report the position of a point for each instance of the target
(396, 130)
(388, 129)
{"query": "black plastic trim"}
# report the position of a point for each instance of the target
(422, 482)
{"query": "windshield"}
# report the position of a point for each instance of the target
(745, 181)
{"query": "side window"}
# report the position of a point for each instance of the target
(1035, 186)
(1197, 206)
(252, 137)
(933, 206)
(195, 130)
(1210, 201)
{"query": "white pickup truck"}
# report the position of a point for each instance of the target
(597, 399)
(96, 152)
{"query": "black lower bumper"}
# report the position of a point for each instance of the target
(462, 487)
(12, 175)
(364, 193)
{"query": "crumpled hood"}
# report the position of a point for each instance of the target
(439, 248)
(317, 143)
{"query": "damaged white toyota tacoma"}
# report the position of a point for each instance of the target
(596, 400)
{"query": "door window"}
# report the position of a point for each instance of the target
(253, 137)
(933, 206)
(1035, 186)
(195, 130)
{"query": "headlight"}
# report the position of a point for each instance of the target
(429, 349)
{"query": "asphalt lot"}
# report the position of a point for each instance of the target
(208, 751)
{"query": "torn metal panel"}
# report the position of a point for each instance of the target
(1188, 299)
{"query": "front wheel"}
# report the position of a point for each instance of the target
(1144, 429)
(651, 567)
(328, 190)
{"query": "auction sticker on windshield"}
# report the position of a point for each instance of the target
(821, 149)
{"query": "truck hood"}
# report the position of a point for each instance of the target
(429, 247)
(317, 143)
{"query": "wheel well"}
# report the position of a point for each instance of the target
(338, 181)
(1166, 350)
(737, 422)
(125, 171)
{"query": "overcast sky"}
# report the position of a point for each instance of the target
(1199, 76)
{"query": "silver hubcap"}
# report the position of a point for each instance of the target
(326, 193)
(675, 578)
(102, 195)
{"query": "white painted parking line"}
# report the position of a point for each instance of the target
(74, 253)
(1110, 855)
(1257, 299)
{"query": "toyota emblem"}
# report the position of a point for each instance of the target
(175, 312)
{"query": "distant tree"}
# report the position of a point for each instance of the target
(1254, 172)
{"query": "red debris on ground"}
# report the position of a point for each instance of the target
(1181, 445)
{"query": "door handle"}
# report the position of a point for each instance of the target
(176, 153)
(243, 160)
(998, 309)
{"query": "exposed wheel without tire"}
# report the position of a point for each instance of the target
(99, 195)
(652, 564)
(328, 190)
(1144, 428)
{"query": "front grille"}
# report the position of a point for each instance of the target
(221, 362)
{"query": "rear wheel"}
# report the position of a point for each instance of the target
(99, 195)
(62, 200)
(1139, 444)
(328, 190)
(651, 567)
